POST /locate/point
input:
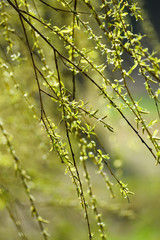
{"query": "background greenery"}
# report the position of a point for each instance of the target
(54, 193)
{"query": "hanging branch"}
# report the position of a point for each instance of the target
(17, 223)
(72, 152)
(24, 179)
